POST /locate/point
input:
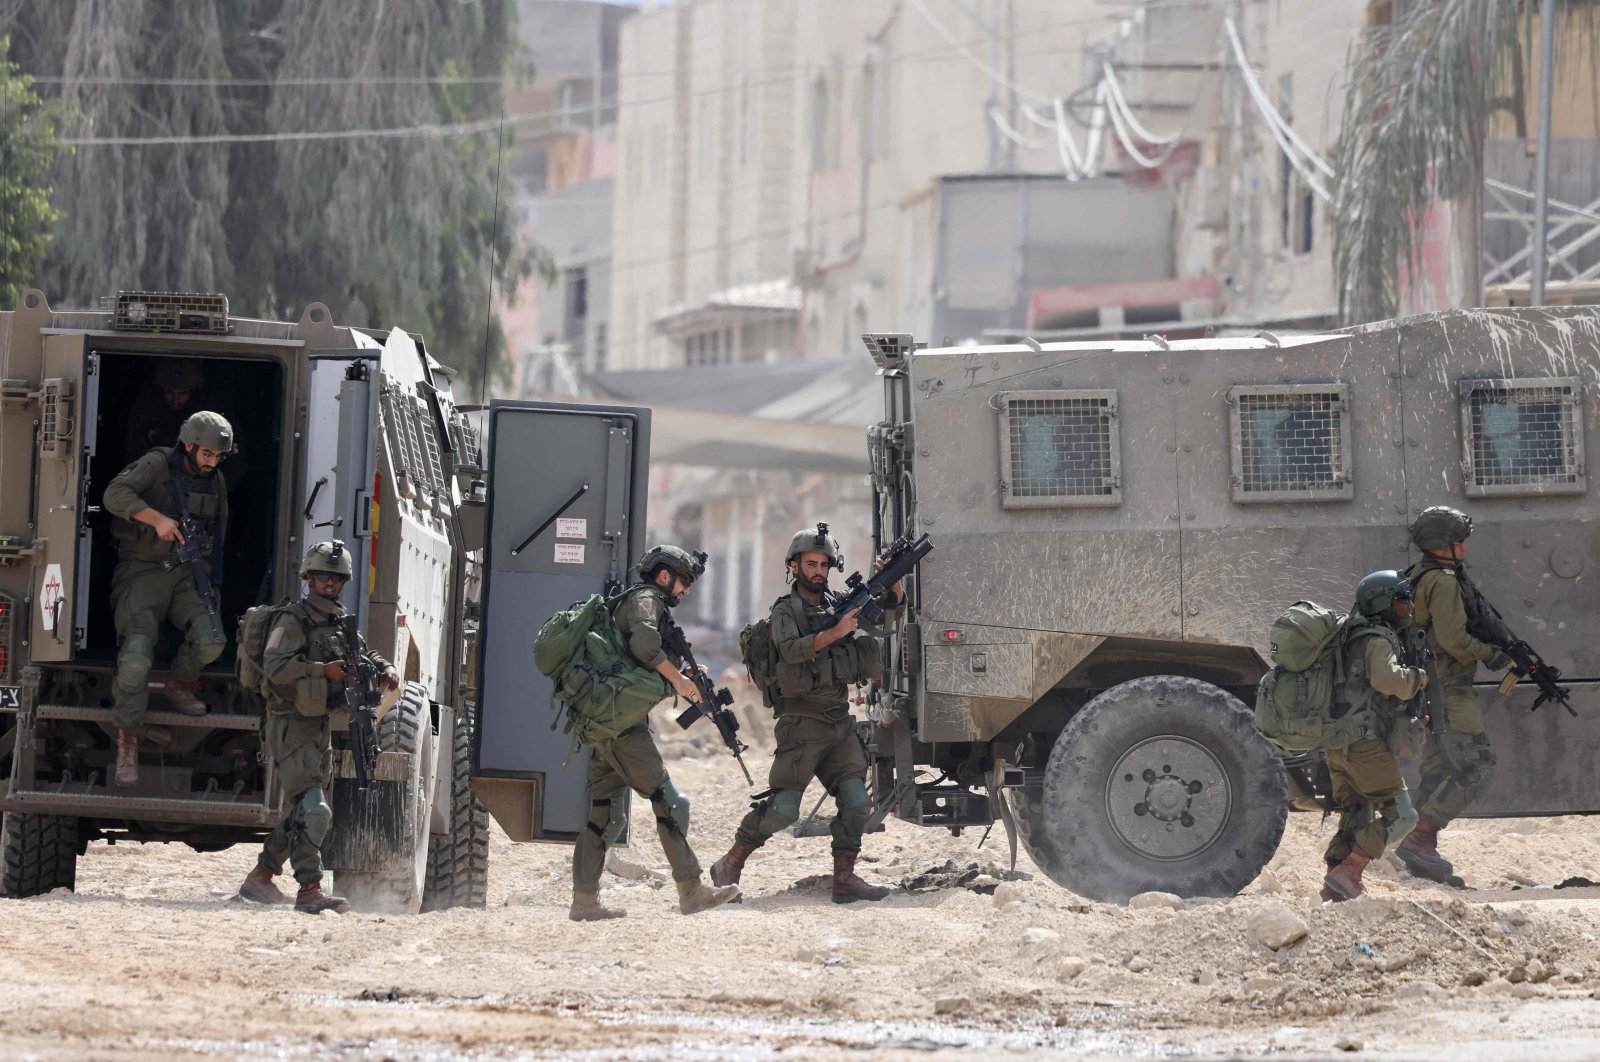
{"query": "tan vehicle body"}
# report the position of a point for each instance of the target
(1111, 515)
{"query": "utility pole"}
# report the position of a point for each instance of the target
(1541, 165)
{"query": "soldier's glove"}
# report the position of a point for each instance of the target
(1498, 662)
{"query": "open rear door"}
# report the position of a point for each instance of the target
(63, 441)
(566, 518)
(341, 444)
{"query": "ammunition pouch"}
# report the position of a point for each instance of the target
(310, 696)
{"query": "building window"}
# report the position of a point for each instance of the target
(1522, 436)
(577, 307)
(1059, 448)
(1291, 442)
(597, 354)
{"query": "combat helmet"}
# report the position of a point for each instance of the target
(815, 540)
(180, 376)
(208, 430)
(1378, 591)
(1439, 527)
(327, 557)
(688, 565)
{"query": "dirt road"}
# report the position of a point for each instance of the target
(152, 958)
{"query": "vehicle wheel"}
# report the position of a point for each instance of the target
(380, 837)
(39, 853)
(1159, 784)
(458, 863)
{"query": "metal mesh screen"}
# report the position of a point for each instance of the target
(1061, 447)
(1524, 436)
(7, 609)
(1290, 441)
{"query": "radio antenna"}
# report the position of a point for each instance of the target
(494, 244)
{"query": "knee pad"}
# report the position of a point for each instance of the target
(780, 811)
(607, 820)
(1399, 816)
(671, 808)
(853, 804)
(316, 817)
(133, 662)
(205, 646)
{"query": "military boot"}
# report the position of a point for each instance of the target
(1345, 879)
(586, 907)
(183, 699)
(695, 895)
(726, 870)
(1420, 854)
(259, 887)
(312, 900)
(847, 888)
(127, 772)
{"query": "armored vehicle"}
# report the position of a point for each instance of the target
(342, 432)
(1118, 523)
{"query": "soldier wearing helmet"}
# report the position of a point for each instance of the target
(1457, 764)
(148, 499)
(631, 759)
(1375, 810)
(176, 391)
(817, 666)
(304, 670)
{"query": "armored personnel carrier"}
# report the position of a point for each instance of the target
(344, 433)
(1118, 523)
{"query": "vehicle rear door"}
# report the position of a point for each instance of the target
(341, 449)
(63, 446)
(566, 518)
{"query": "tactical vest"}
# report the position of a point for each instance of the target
(311, 695)
(1355, 694)
(1472, 603)
(845, 662)
(139, 541)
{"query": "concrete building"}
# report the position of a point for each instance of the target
(561, 175)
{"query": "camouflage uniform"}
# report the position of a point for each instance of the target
(632, 761)
(816, 736)
(1457, 765)
(143, 594)
(1375, 810)
(304, 637)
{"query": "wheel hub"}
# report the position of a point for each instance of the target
(1168, 798)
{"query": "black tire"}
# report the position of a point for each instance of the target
(458, 864)
(38, 854)
(1158, 784)
(387, 852)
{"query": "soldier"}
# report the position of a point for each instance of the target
(148, 499)
(1457, 764)
(1375, 810)
(631, 760)
(815, 734)
(304, 667)
(163, 405)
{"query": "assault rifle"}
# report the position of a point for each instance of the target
(195, 551)
(361, 697)
(1487, 625)
(712, 702)
(1429, 702)
(875, 595)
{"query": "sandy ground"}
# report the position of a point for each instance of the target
(153, 958)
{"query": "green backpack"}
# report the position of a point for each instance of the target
(1295, 699)
(254, 627)
(760, 657)
(604, 689)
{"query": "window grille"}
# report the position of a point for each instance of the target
(55, 418)
(8, 607)
(1059, 448)
(1522, 436)
(1291, 442)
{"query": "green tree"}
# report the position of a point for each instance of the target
(28, 147)
(384, 230)
(1421, 93)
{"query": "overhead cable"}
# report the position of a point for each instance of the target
(1120, 101)
(1288, 140)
